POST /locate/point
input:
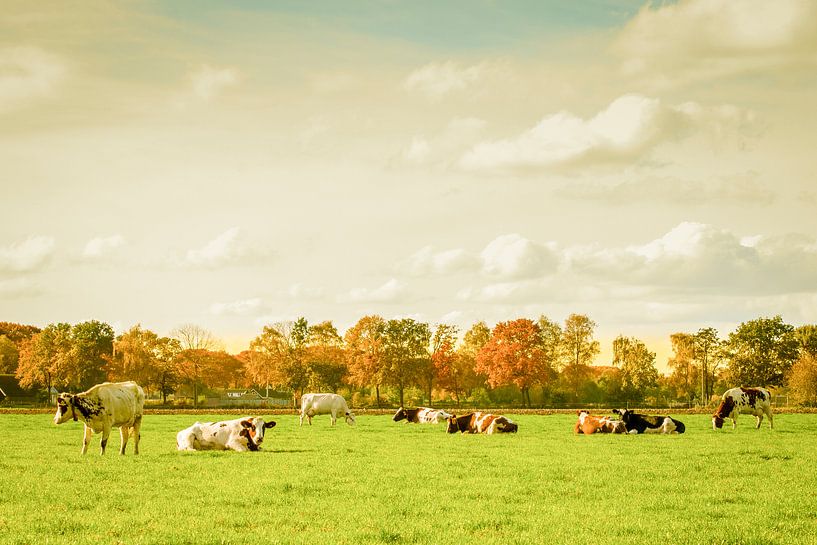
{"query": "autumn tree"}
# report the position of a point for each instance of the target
(708, 354)
(578, 350)
(223, 370)
(365, 353)
(762, 351)
(9, 356)
(684, 376)
(325, 357)
(443, 358)
(807, 339)
(514, 355)
(405, 352)
(279, 356)
(191, 362)
(44, 358)
(802, 378)
(17, 333)
(637, 365)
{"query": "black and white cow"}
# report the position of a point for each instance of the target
(735, 401)
(241, 434)
(421, 415)
(102, 407)
(479, 422)
(643, 423)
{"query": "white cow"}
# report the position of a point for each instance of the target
(105, 406)
(331, 404)
(241, 434)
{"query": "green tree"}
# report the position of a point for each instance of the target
(807, 338)
(405, 350)
(762, 351)
(708, 354)
(637, 365)
(578, 350)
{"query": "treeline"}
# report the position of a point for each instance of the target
(385, 362)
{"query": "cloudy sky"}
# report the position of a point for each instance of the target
(234, 163)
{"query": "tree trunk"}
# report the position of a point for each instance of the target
(195, 394)
(377, 394)
(401, 396)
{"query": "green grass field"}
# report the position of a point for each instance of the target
(382, 482)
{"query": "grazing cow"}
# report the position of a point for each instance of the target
(754, 401)
(331, 404)
(421, 415)
(241, 434)
(105, 406)
(479, 422)
(643, 423)
(587, 424)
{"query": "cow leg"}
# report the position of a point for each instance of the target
(123, 435)
(309, 419)
(734, 422)
(333, 417)
(771, 420)
(758, 420)
(237, 445)
(137, 427)
(86, 438)
(106, 432)
(302, 419)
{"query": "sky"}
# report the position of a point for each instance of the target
(234, 164)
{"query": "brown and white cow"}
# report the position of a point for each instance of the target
(241, 434)
(735, 401)
(102, 407)
(479, 422)
(587, 424)
(421, 415)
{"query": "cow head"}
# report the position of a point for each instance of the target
(452, 425)
(400, 415)
(65, 408)
(253, 430)
(717, 422)
(504, 425)
(350, 418)
(624, 414)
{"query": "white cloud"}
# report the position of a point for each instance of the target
(18, 287)
(209, 82)
(221, 250)
(738, 189)
(27, 73)
(237, 308)
(98, 246)
(26, 256)
(436, 80)
(712, 38)
(300, 292)
(513, 256)
(627, 129)
(427, 261)
(446, 145)
(392, 291)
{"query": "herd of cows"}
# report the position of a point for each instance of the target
(121, 405)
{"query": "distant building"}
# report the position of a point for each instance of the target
(247, 396)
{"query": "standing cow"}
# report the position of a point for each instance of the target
(241, 434)
(421, 415)
(735, 401)
(105, 406)
(331, 404)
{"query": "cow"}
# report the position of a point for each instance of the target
(642, 423)
(735, 401)
(479, 422)
(587, 424)
(241, 434)
(421, 415)
(102, 407)
(331, 404)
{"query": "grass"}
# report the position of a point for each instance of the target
(382, 482)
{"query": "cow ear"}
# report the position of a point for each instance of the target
(270, 424)
(246, 423)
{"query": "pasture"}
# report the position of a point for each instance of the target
(382, 482)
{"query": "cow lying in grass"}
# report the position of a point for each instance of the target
(241, 434)
(642, 423)
(735, 401)
(421, 415)
(587, 424)
(479, 422)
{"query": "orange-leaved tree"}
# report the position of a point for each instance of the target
(365, 353)
(514, 355)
